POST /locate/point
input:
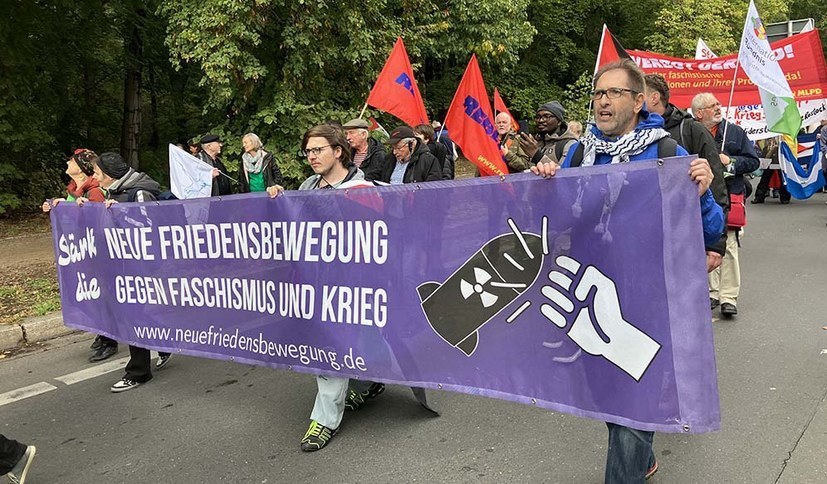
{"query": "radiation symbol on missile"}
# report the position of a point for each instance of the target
(488, 282)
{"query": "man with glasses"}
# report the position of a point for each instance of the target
(553, 140)
(697, 140)
(625, 132)
(739, 158)
(411, 162)
(328, 153)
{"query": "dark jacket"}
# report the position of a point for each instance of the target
(134, 187)
(374, 160)
(220, 184)
(422, 167)
(450, 154)
(741, 150)
(697, 140)
(548, 150)
(271, 172)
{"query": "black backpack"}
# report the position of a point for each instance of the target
(667, 147)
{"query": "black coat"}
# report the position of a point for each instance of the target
(422, 167)
(220, 184)
(271, 172)
(374, 161)
(697, 140)
(741, 150)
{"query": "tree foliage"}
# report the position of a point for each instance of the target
(276, 67)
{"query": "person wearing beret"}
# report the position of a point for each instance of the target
(211, 145)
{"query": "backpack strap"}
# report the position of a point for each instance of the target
(667, 147)
(576, 156)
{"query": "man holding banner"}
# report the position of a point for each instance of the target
(626, 132)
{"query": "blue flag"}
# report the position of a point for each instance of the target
(803, 171)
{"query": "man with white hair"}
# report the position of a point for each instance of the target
(739, 158)
(510, 148)
(368, 154)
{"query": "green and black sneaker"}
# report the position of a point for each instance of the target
(355, 400)
(317, 436)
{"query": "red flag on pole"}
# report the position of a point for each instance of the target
(500, 107)
(610, 49)
(472, 125)
(395, 90)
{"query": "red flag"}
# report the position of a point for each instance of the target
(472, 125)
(610, 49)
(395, 90)
(500, 107)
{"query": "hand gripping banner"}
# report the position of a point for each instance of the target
(585, 293)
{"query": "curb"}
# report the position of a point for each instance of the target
(32, 330)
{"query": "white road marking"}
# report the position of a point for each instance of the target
(93, 372)
(25, 392)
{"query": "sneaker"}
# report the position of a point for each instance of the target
(96, 344)
(317, 436)
(103, 353)
(18, 473)
(355, 400)
(651, 471)
(123, 385)
(163, 359)
(714, 303)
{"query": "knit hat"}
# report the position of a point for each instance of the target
(112, 165)
(85, 160)
(554, 108)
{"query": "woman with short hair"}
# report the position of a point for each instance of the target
(258, 170)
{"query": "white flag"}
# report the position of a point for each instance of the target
(758, 62)
(702, 51)
(189, 177)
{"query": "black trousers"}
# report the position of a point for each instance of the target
(106, 341)
(763, 188)
(139, 367)
(11, 451)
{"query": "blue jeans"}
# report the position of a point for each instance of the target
(629, 455)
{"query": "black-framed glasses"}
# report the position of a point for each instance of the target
(543, 117)
(316, 151)
(611, 93)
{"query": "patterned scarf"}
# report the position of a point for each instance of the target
(254, 164)
(621, 149)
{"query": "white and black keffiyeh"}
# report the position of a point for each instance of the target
(621, 149)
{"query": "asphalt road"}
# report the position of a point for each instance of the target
(209, 421)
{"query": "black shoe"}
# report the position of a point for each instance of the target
(728, 310)
(714, 303)
(785, 201)
(103, 353)
(757, 200)
(97, 343)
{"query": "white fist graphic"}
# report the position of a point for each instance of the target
(626, 346)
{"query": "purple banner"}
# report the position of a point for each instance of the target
(585, 293)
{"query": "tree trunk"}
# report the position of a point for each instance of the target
(131, 127)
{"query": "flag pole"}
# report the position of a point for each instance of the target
(363, 110)
(731, 94)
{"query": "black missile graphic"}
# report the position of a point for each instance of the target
(504, 268)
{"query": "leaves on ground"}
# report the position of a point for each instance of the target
(29, 290)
